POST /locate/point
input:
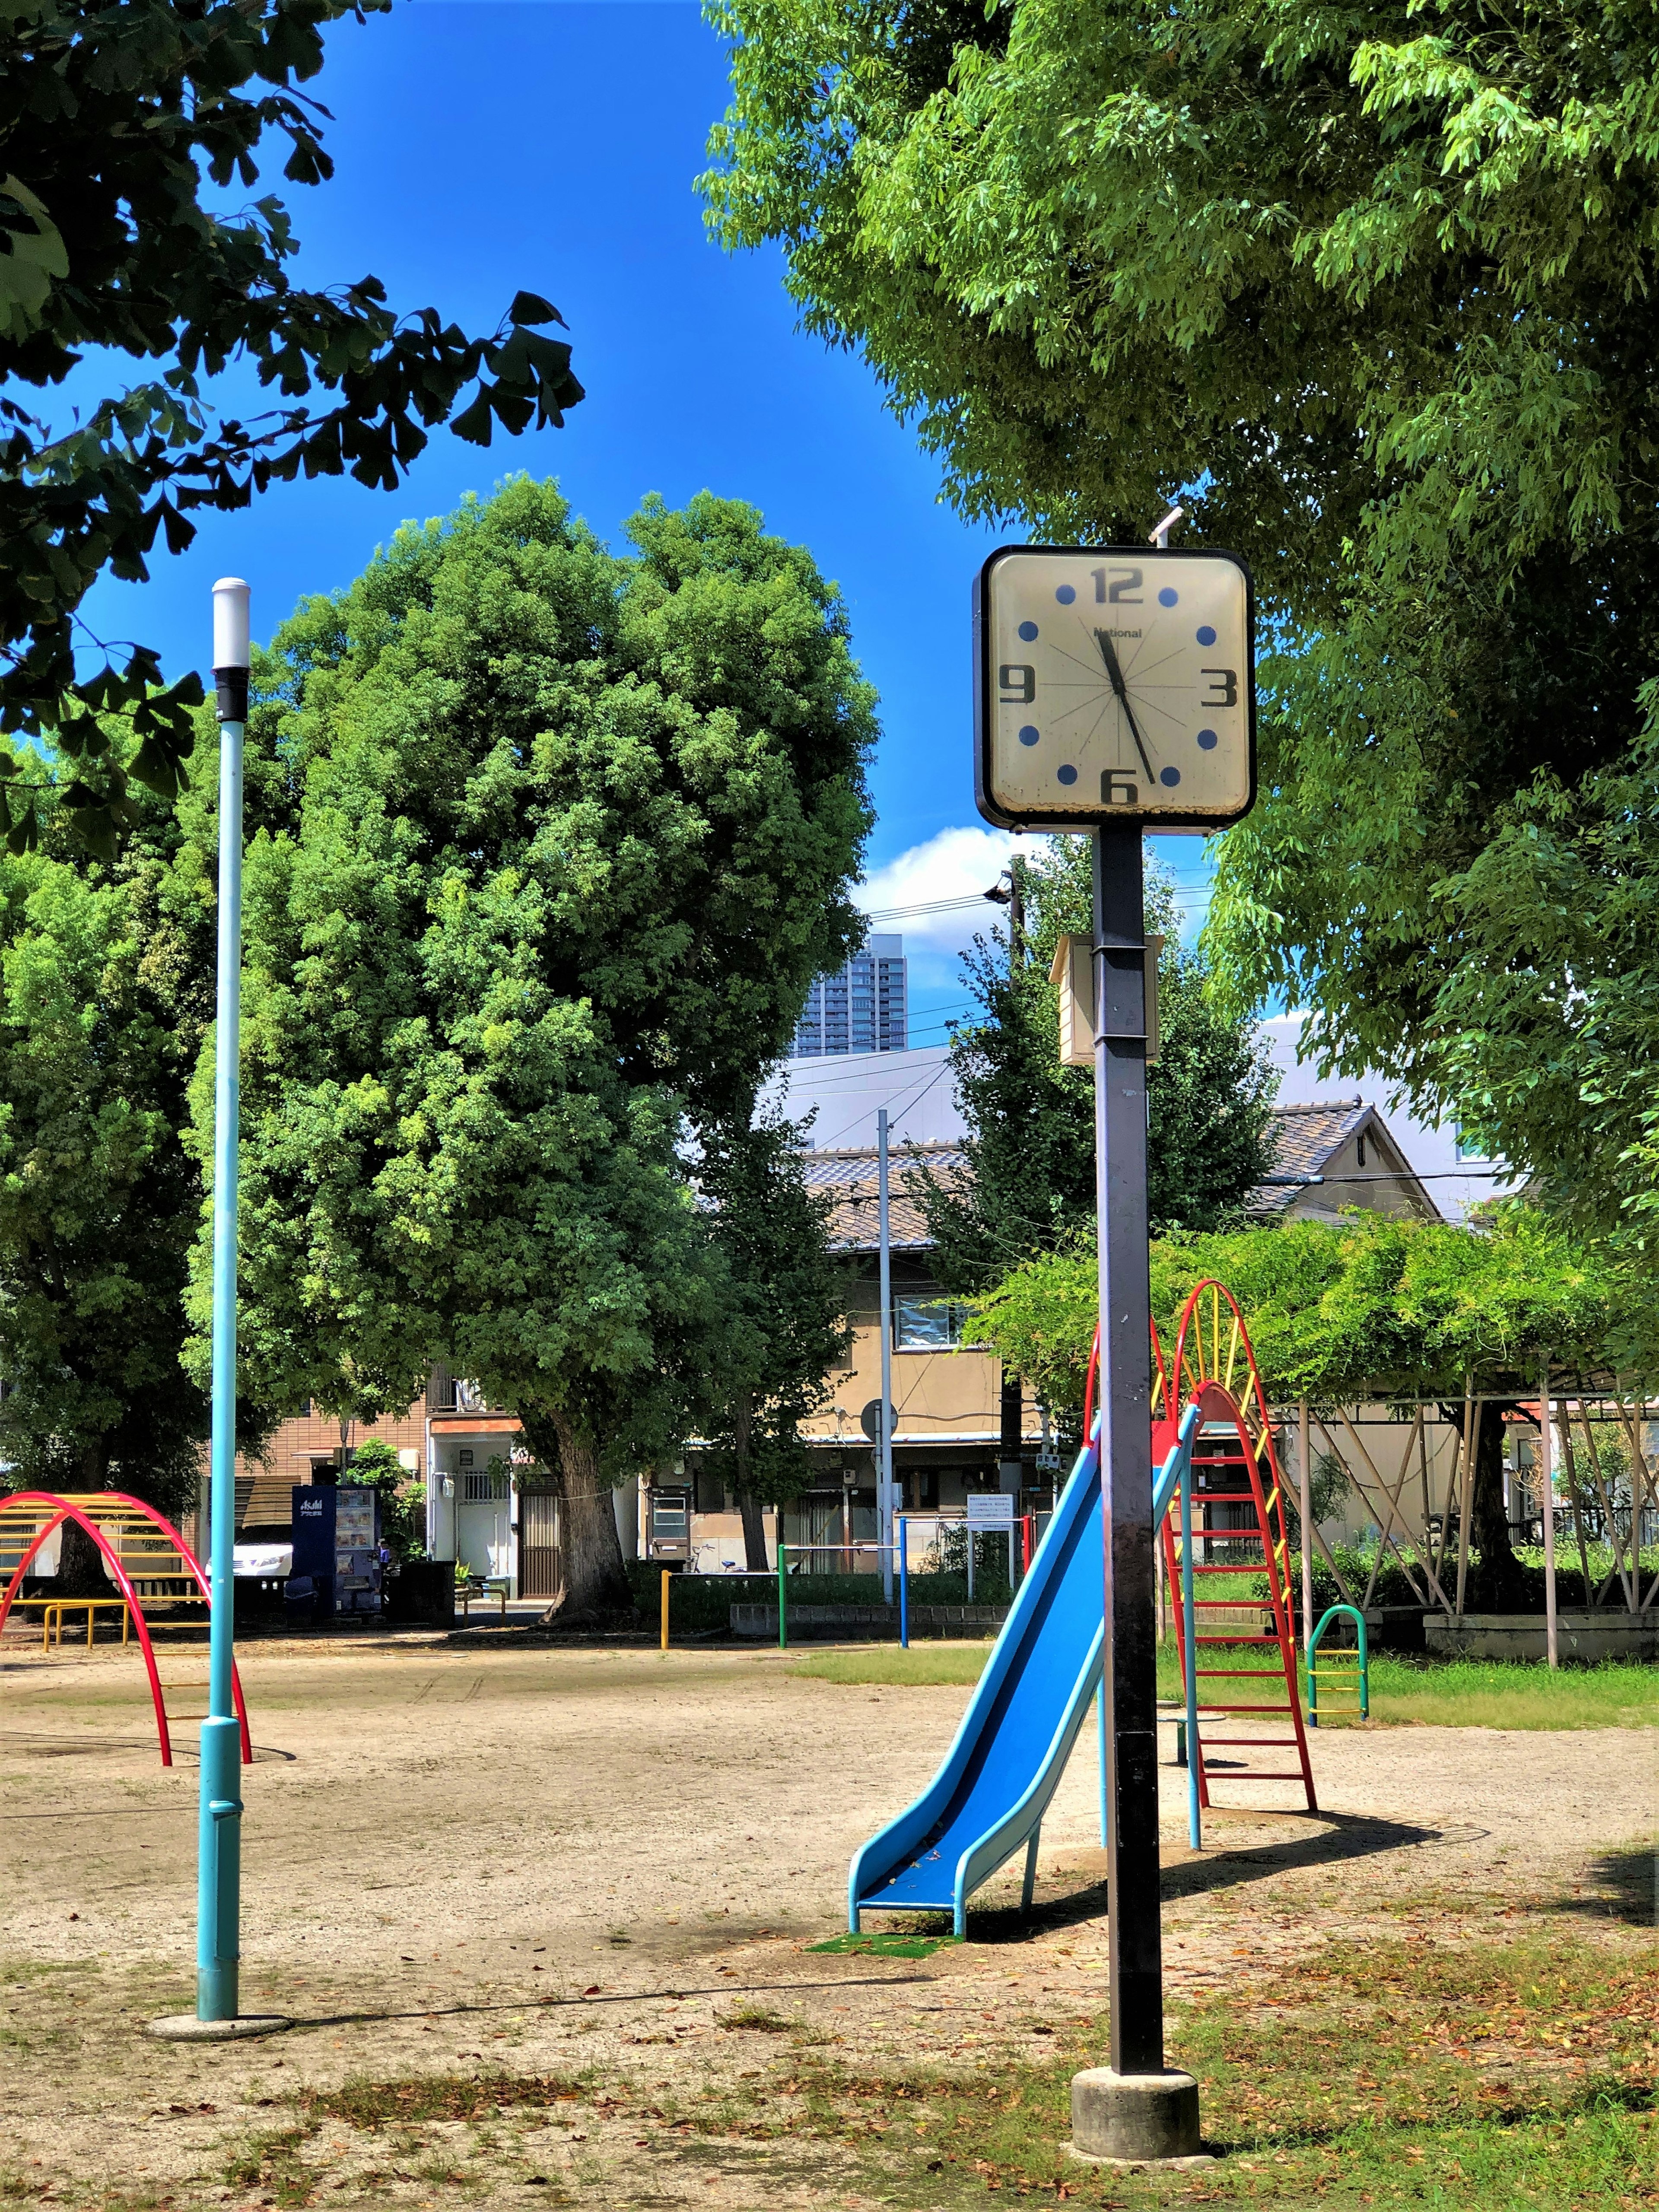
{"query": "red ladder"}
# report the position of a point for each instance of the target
(1228, 1471)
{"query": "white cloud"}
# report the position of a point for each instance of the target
(957, 864)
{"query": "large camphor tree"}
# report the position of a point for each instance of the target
(1371, 289)
(126, 127)
(558, 838)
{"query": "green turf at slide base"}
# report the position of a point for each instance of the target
(886, 1946)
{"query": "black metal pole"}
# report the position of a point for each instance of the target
(1135, 1969)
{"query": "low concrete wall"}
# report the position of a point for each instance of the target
(1585, 1637)
(841, 1623)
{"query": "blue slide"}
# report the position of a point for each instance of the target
(990, 1795)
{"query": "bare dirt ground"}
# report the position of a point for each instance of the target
(607, 1867)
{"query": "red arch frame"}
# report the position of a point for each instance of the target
(60, 1510)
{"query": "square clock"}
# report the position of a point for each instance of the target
(1114, 683)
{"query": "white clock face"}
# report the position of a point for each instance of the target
(1115, 682)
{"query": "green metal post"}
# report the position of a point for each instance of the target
(219, 1835)
(783, 1590)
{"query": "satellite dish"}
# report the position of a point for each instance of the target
(869, 1419)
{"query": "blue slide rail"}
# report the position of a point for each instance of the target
(990, 1795)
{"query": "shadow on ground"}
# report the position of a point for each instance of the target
(1626, 1887)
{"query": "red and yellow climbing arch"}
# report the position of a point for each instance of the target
(146, 1557)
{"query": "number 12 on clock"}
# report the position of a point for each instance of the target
(1114, 683)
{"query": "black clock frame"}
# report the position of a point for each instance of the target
(985, 701)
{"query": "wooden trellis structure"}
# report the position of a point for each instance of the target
(1413, 1480)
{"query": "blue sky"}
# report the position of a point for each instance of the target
(485, 145)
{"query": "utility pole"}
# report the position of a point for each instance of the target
(1009, 890)
(884, 1449)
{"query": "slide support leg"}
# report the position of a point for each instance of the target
(1029, 1890)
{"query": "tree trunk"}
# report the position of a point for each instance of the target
(754, 1528)
(596, 1585)
(1495, 1582)
(80, 1563)
(754, 1533)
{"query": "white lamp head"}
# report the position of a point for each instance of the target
(230, 647)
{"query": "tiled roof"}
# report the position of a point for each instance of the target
(851, 1178)
(1305, 1138)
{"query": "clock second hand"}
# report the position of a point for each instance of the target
(1107, 654)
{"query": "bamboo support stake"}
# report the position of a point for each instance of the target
(1393, 1496)
(1575, 1493)
(1627, 1583)
(1472, 1413)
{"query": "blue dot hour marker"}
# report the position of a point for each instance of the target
(1065, 594)
(1066, 774)
(1030, 734)
(1206, 635)
(1028, 631)
(1207, 741)
(1170, 775)
(1168, 596)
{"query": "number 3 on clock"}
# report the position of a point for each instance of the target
(1228, 680)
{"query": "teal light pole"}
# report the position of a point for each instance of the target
(219, 1852)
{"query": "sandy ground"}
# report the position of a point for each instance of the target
(467, 1856)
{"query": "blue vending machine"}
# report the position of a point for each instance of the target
(337, 1568)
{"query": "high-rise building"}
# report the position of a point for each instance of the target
(860, 1007)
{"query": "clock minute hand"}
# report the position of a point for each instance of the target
(1108, 654)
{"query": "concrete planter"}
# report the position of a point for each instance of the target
(1584, 1637)
(841, 1623)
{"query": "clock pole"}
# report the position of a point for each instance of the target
(1135, 2109)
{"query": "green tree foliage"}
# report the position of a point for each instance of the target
(781, 1323)
(1370, 289)
(122, 124)
(1030, 1143)
(1372, 1308)
(557, 839)
(105, 972)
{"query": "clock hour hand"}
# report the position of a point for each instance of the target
(1108, 654)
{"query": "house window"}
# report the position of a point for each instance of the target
(1360, 1148)
(484, 1485)
(930, 1324)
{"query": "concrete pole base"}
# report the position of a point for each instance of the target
(185, 2028)
(1135, 2119)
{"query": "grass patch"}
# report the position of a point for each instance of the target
(1510, 2078)
(365, 2104)
(885, 1947)
(1495, 1694)
(273, 2161)
(1513, 1693)
(756, 2016)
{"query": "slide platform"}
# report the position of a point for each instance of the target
(990, 1795)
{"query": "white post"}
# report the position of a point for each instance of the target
(884, 1464)
(1547, 1485)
